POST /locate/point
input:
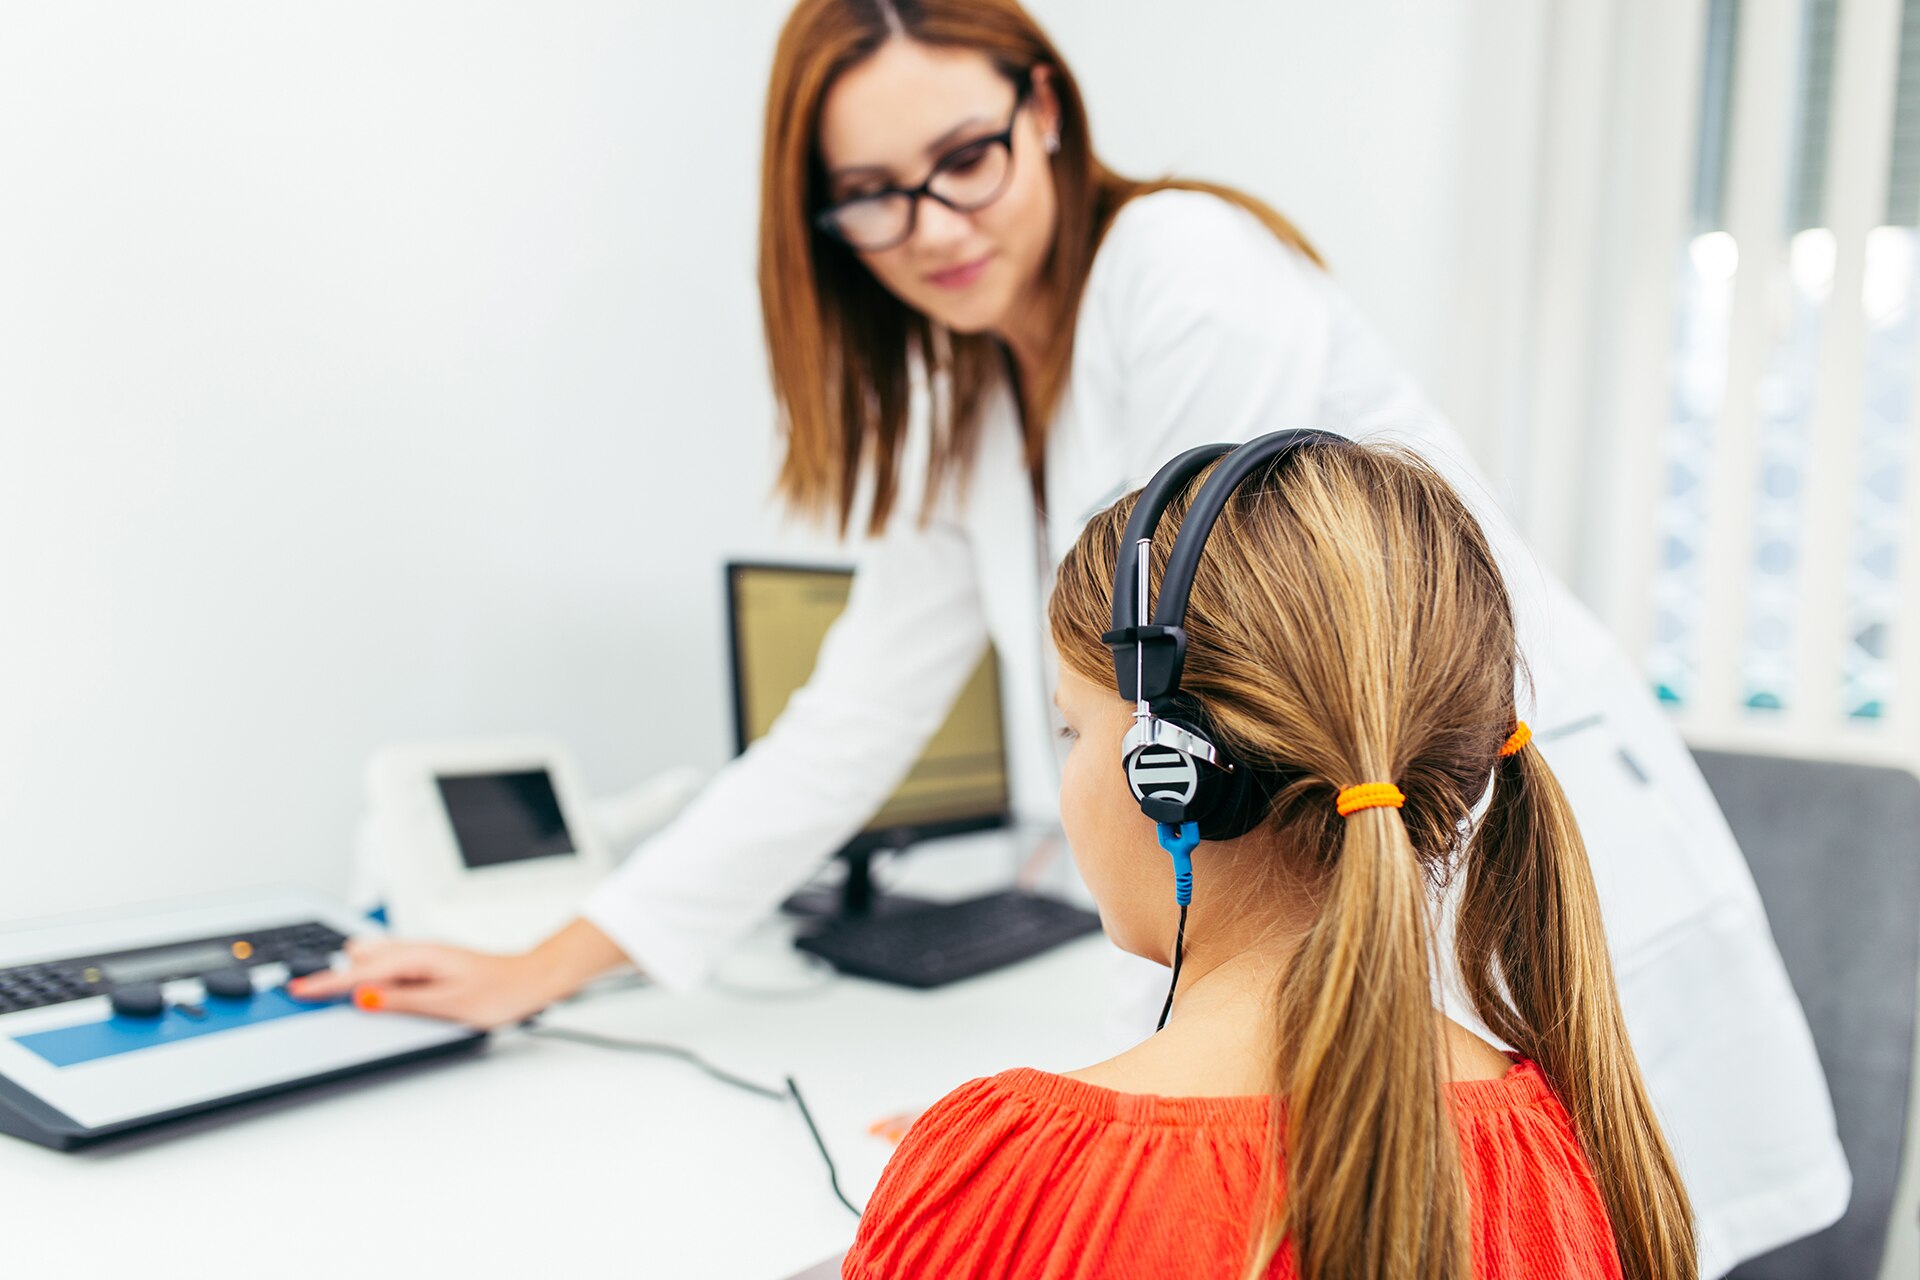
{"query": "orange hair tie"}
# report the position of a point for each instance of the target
(1517, 740)
(1369, 795)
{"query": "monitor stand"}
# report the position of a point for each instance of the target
(855, 896)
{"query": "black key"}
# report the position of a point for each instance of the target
(232, 983)
(301, 963)
(138, 1000)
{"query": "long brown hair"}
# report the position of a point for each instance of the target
(1348, 624)
(842, 346)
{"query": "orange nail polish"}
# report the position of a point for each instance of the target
(367, 997)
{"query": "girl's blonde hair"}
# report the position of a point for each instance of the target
(840, 345)
(1348, 624)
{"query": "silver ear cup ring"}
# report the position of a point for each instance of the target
(1163, 761)
(1156, 773)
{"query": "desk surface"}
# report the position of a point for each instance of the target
(544, 1157)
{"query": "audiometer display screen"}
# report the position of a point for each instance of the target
(173, 962)
(500, 818)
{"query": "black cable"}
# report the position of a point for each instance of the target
(833, 1175)
(1179, 946)
(532, 1026)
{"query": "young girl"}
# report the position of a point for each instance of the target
(1307, 1110)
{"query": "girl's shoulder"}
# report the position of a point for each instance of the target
(1537, 1207)
(1009, 1175)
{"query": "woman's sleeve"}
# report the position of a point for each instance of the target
(888, 672)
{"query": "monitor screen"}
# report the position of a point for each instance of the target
(780, 615)
(504, 817)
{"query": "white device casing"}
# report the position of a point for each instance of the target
(429, 891)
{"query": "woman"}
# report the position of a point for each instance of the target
(1307, 1111)
(979, 336)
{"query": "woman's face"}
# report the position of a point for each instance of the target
(886, 121)
(1115, 845)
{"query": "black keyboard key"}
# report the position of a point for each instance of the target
(301, 963)
(942, 944)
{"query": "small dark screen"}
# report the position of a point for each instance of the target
(504, 817)
(173, 962)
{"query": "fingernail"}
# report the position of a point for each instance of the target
(367, 997)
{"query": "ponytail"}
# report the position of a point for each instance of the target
(1372, 1166)
(1534, 961)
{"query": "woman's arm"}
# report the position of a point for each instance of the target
(475, 987)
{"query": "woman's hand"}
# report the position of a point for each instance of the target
(478, 988)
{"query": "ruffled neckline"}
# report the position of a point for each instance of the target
(1523, 1086)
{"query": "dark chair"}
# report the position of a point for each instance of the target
(1835, 851)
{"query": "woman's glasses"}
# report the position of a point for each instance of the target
(968, 178)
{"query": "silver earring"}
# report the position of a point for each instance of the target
(1051, 142)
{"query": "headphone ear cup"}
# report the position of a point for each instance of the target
(1226, 804)
(1236, 807)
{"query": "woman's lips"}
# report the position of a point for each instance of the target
(961, 276)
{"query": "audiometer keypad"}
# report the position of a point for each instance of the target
(221, 961)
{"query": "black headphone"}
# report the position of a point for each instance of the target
(1179, 776)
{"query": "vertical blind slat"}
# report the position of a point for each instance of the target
(1764, 79)
(1865, 66)
(1663, 48)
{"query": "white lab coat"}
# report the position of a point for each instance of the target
(1198, 325)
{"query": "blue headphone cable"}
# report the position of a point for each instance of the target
(1180, 842)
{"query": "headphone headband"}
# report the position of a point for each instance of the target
(1130, 656)
(1148, 656)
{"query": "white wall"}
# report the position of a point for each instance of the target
(376, 371)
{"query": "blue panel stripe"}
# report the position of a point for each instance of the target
(115, 1034)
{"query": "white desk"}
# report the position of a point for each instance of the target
(540, 1157)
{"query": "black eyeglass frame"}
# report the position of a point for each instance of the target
(825, 219)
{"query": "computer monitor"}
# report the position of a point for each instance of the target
(778, 615)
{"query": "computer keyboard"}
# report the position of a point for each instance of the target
(941, 944)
